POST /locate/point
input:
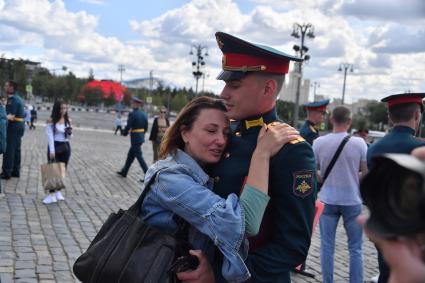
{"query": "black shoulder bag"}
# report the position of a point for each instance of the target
(126, 249)
(333, 161)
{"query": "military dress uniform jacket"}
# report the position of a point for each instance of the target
(137, 126)
(401, 139)
(15, 106)
(3, 129)
(309, 132)
(285, 232)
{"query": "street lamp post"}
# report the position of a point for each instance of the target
(300, 31)
(199, 63)
(344, 67)
(121, 69)
(203, 79)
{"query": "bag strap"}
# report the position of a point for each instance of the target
(334, 158)
(183, 225)
(134, 209)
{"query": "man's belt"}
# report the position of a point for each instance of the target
(17, 119)
(137, 131)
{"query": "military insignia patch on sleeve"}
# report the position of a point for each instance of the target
(303, 183)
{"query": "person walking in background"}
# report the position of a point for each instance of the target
(137, 126)
(15, 130)
(59, 132)
(316, 112)
(33, 118)
(27, 116)
(118, 124)
(3, 132)
(159, 126)
(340, 193)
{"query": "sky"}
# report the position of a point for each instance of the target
(383, 39)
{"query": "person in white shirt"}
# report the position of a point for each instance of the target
(340, 193)
(118, 124)
(59, 132)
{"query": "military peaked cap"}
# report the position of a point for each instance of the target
(240, 57)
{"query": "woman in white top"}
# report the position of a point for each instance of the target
(59, 132)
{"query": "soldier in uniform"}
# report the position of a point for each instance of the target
(253, 75)
(137, 126)
(3, 132)
(316, 112)
(15, 131)
(404, 111)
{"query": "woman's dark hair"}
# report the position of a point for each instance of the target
(172, 139)
(56, 114)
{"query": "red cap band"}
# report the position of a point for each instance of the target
(403, 100)
(245, 62)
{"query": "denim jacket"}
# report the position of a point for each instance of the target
(182, 187)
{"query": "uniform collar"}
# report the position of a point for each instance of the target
(403, 129)
(184, 158)
(312, 124)
(255, 122)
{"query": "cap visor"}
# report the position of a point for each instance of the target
(231, 75)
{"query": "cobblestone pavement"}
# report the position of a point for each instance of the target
(40, 243)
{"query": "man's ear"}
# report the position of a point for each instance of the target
(270, 87)
(418, 115)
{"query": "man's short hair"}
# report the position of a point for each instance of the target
(279, 78)
(341, 114)
(13, 84)
(403, 112)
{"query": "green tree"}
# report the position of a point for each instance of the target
(92, 95)
(178, 101)
(110, 99)
(376, 113)
(126, 100)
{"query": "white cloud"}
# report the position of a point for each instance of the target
(387, 10)
(388, 55)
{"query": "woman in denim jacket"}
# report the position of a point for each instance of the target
(197, 139)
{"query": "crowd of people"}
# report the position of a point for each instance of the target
(244, 182)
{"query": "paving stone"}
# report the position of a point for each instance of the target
(20, 264)
(6, 262)
(25, 273)
(6, 277)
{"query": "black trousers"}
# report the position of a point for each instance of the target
(118, 128)
(135, 151)
(12, 156)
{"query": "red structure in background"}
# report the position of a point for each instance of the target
(107, 87)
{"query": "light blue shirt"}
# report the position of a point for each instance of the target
(183, 188)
